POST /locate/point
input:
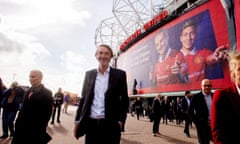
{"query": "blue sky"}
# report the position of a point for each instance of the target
(55, 36)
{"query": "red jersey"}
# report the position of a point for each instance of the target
(162, 70)
(196, 64)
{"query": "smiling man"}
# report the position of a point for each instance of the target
(102, 110)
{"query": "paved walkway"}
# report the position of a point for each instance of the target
(136, 132)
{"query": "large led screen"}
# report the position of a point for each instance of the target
(171, 70)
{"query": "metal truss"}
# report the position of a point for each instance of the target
(128, 16)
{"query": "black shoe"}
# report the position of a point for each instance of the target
(188, 135)
(4, 136)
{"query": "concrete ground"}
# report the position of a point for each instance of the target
(136, 132)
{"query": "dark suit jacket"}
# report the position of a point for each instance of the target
(226, 116)
(185, 106)
(157, 108)
(32, 121)
(116, 98)
(198, 110)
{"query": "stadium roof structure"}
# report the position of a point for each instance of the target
(128, 16)
(131, 15)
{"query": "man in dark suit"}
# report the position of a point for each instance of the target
(157, 114)
(58, 101)
(200, 110)
(103, 106)
(185, 106)
(32, 120)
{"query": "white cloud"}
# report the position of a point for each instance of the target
(33, 13)
(55, 36)
(19, 53)
(72, 61)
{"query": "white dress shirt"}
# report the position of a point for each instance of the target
(101, 85)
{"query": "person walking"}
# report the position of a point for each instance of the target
(157, 114)
(225, 114)
(185, 107)
(165, 109)
(2, 88)
(178, 111)
(200, 110)
(58, 101)
(12, 99)
(138, 107)
(32, 120)
(103, 107)
(66, 102)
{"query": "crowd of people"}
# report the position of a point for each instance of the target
(102, 112)
(26, 111)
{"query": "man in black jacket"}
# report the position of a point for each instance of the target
(185, 107)
(200, 110)
(157, 114)
(58, 101)
(104, 102)
(32, 121)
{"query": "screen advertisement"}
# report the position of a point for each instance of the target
(159, 63)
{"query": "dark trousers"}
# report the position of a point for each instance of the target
(58, 109)
(156, 123)
(103, 132)
(187, 123)
(8, 118)
(165, 117)
(203, 133)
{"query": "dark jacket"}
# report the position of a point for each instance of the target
(15, 105)
(198, 110)
(156, 108)
(32, 121)
(116, 97)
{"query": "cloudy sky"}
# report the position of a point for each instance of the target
(55, 36)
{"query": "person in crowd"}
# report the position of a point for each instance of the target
(66, 100)
(11, 103)
(185, 107)
(132, 108)
(157, 114)
(32, 120)
(162, 73)
(178, 111)
(225, 114)
(138, 107)
(200, 112)
(58, 101)
(103, 107)
(2, 88)
(171, 111)
(165, 109)
(134, 87)
(196, 59)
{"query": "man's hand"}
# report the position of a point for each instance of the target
(75, 130)
(221, 53)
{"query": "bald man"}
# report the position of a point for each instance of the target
(200, 110)
(32, 121)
